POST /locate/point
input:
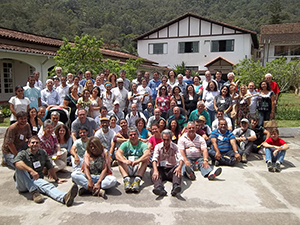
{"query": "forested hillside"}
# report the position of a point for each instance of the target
(119, 21)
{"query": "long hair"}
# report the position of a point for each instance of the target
(67, 134)
(177, 130)
(97, 144)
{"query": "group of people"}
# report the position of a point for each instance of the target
(173, 124)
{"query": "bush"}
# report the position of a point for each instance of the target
(5, 110)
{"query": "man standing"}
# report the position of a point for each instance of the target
(274, 86)
(133, 156)
(125, 80)
(15, 138)
(58, 71)
(182, 85)
(62, 89)
(188, 79)
(224, 149)
(105, 134)
(207, 80)
(134, 115)
(165, 166)
(194, 151)
(252, 107)
(88, 76)
(83, 120)
(153, 84)
(147, 77)
(37, 82)
(219, 80)
(138, 80)
(122, 95)
(29, 175)
(230, 77)
(244, 137)
(33, 93)
(200, 111)
(48, 95)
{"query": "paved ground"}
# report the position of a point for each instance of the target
(245, 194)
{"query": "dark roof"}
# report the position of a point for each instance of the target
(288, 33)
(253, 34)
(217, 59)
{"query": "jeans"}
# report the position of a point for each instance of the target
(198, 162)
(80, 179)
(9, 159)
(270, 157)
(212, 115)
(25, 183)
(263, 116)
(227, 157)
(76, 167)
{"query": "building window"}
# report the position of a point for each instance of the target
(222, 46)
(158, 48)
(192, 68)
(295, 49)
(6, 83)
(188, 47)
(281, 50)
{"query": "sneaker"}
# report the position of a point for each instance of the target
(37, 197)
(69, 197)
(277, 167)
(190, 173)
(215, 174)
(127, 185)
(244, 158)
(160, 191)
(270, 166)
(136, 185)
(176, 189)
(82, 191)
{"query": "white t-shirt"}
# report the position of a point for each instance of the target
(215, 124)
(121, 95)
(19, 105)
(142, 91)
(209, 97)
(253, 104)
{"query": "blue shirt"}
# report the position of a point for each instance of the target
(223, 140)
(50, 97)
(33, 94)
(144, 134)
(82, 82)
(153, 85)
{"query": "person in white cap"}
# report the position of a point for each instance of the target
(116, 112)
(244, 137)
(121, 94)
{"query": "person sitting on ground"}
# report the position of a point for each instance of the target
(29, 175)
(165, 165)
(49, 142)
(261, 133)
(78, 149)
(244, 137)
(154, 119)
(15, 139)
(220, 116)
(94, 176)
(154, 140)
(194, 151)
(133, 157)
(275, 149)
(206, 131)
(224, 149)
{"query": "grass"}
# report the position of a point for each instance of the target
(6, 122)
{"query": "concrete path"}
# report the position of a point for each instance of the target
(244, 194)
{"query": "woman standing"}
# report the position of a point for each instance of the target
(96, 101)
(85, 102)
(50, 144)
(88, 85)
(145, 92)
(162, 101)
(223, 101)
(79, 86)
(108, 97)
(197, 86)
(18, 103)
(208, 97)
(94, 176)
(71, 101)
(33, 120)
(112, 78)
(164, 82)
(172, 79)
(243, 105)
(265, 103)
(178, 97)
(134, 98)
(191, 99)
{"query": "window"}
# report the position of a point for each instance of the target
(192, 68)
(158, 48)
(286, 50)
(7, 78)
(188, 47)
(281, 50)
(222, 46)
(295, 49)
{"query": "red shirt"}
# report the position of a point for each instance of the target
(274, 87)
(154, 141)
(278, 142)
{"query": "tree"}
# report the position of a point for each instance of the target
(275, 10)
(82, 55)
(85, 54)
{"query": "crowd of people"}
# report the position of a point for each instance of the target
(174, 124)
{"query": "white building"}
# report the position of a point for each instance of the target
(199, 42)
(280, 40)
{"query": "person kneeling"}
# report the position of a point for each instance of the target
(29, 175)
(165, 165)
(275, 149)
(94, 176)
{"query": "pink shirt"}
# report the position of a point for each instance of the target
(154, 141)
(163, 103)
(193, 148)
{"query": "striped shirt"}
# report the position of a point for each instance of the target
(223, 140)
(192, 148)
